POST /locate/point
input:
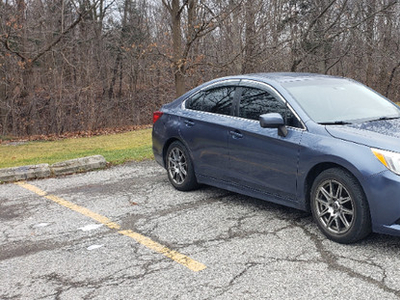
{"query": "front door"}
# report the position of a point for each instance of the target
(260, 159)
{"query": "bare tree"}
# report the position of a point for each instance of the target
(72, 65)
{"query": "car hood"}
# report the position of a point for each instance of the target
(383, 134)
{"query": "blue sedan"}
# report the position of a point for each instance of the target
(318, 143)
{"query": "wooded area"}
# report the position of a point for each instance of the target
(72, 65)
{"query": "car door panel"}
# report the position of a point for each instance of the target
(207, 140)
(259, 158)
(263, 160)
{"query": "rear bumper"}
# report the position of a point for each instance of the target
(157, 148)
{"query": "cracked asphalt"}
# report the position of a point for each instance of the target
(251, 249)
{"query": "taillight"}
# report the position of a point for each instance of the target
(156, 116)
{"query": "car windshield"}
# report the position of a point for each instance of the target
(340, 101)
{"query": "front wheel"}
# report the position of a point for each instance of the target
(339, 206)
(180, 167)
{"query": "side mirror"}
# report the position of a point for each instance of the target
(274, 120)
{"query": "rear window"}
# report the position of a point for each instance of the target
(218, 100)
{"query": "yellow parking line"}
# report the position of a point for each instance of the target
(80, 209)
(174, 255)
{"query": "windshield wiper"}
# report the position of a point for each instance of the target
(385, 118)
(335, 123)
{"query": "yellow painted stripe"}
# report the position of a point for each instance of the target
(172, 254)
(149, 243)
(80, 209)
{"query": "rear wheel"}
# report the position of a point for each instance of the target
(339, 206)
(180, 167)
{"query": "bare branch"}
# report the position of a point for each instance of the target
(69, 28)
(6, 43)
(167, 5)
(347, 28)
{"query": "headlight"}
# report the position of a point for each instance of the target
(390, 159)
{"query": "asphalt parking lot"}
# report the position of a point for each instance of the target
(125, 233)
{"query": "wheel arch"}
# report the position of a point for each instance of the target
(181, 169)
(168, 143)
(318, 169)
(165, 148)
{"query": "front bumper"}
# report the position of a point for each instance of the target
(383, 193)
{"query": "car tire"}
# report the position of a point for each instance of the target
(180, 167)
(339, 206)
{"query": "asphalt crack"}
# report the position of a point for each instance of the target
(331, 261)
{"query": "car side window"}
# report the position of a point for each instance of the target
(256, 102)
(218, 100)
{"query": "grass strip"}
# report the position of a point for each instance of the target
(116, 148)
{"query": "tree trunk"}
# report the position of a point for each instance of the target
(249, 65)
(371, 7)
(178, 60)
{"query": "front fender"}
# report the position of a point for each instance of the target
(327, 151)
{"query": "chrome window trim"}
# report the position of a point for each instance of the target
(256, 121)
(237, 83)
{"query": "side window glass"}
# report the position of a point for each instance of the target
(217, 101)
(195, 102)
(256, 102)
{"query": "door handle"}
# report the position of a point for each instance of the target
(189, 123)
(235, 134)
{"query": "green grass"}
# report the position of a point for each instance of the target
(117, 149)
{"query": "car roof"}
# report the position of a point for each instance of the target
(285, 77)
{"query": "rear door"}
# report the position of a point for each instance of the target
(204, 124)
(260, 159)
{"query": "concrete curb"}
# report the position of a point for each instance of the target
(83, 164)
(78, 165)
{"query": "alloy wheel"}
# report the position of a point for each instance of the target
(177, 165)
(334, 207)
